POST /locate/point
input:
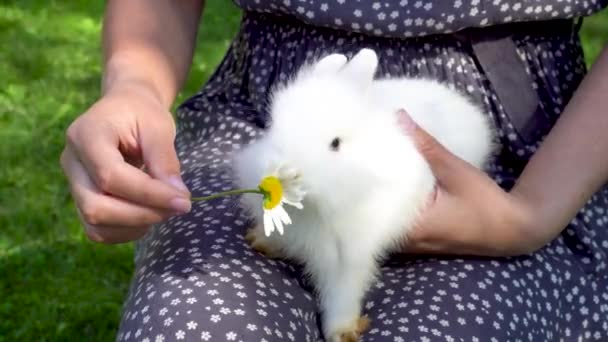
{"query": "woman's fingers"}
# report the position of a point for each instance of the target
(113, 234)
(112, 175)
(99, 209)
(105, 149)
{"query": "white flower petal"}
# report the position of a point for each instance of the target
(288, 173)
(293, 204)
(283, 215)
(277, 220)
(293, 196)
(268, 224)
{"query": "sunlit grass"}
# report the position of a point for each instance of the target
(595, 35)
(54, 284)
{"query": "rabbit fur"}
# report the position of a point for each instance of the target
(363, 196)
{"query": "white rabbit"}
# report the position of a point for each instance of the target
(365, 180)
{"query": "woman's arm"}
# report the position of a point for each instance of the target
(150, 42)
(572, 162)
(472, 215)
(148, 48)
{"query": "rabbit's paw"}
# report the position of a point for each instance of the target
(261, 244)
(352, 333)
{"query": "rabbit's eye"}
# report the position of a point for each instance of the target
(335, 144)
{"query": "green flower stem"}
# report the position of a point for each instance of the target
(227, 193)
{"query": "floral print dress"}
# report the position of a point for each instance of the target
(196, 277)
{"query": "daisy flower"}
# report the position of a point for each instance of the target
(280, 185)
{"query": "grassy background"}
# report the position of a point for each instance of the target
(54, 284)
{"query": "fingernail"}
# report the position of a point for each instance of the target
(181, 205)
(177, 183)
(405, 121)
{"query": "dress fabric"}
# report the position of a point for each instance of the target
(197, 279)
(416, 18)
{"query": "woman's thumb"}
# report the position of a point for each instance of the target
(443, 163)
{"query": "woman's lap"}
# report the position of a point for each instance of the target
(197, 279)
(206, 283)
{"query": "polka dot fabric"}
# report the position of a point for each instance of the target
(197, 279)
(414, 18)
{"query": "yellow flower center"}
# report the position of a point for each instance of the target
(273, 191)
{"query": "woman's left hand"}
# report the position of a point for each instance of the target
(468, 213)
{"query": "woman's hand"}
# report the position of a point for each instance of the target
(472, 215)
(148, 48)
(468, 213)
(105, 150)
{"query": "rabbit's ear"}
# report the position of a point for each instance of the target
(329, 64)
(360, 70)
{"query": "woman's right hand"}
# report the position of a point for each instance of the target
(122, 166)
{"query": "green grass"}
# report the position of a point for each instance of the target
(54, 284)
(595, 35)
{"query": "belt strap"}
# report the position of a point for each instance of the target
(496, 53)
